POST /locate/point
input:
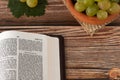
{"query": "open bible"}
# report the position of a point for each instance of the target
(31, 56)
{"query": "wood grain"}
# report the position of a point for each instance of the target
(56, 14)
(87, 58)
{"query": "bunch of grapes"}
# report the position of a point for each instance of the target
(99, 8)
(30, 3)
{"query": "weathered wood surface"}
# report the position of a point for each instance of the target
(56, 14)
(87, 57)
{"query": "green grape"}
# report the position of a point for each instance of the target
(88, 2)
(22, 0)
(32, 3)
(92, 10)
(115, 8)
(104, 4)
(98, 0)
(101, 14)
(79, 7)
(80, 0)
(117, 1)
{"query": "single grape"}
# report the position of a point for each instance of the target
(88, 2)
(115, 8)
(79, 7)
(104, 4)
(32, 3)
(22, 0)
(101, 14)
(92, 10)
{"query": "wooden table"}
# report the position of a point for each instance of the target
(88, 58)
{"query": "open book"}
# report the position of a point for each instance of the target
(30, 56)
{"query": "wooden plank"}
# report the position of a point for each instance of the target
(56, 14)
(87, 57)
(89, 74)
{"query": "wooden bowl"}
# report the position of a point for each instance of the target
(90, 24)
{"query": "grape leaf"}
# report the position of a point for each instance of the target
(18, 8)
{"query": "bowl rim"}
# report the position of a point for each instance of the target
(87, 19)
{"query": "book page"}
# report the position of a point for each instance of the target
(53, 59)
(22, 57)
